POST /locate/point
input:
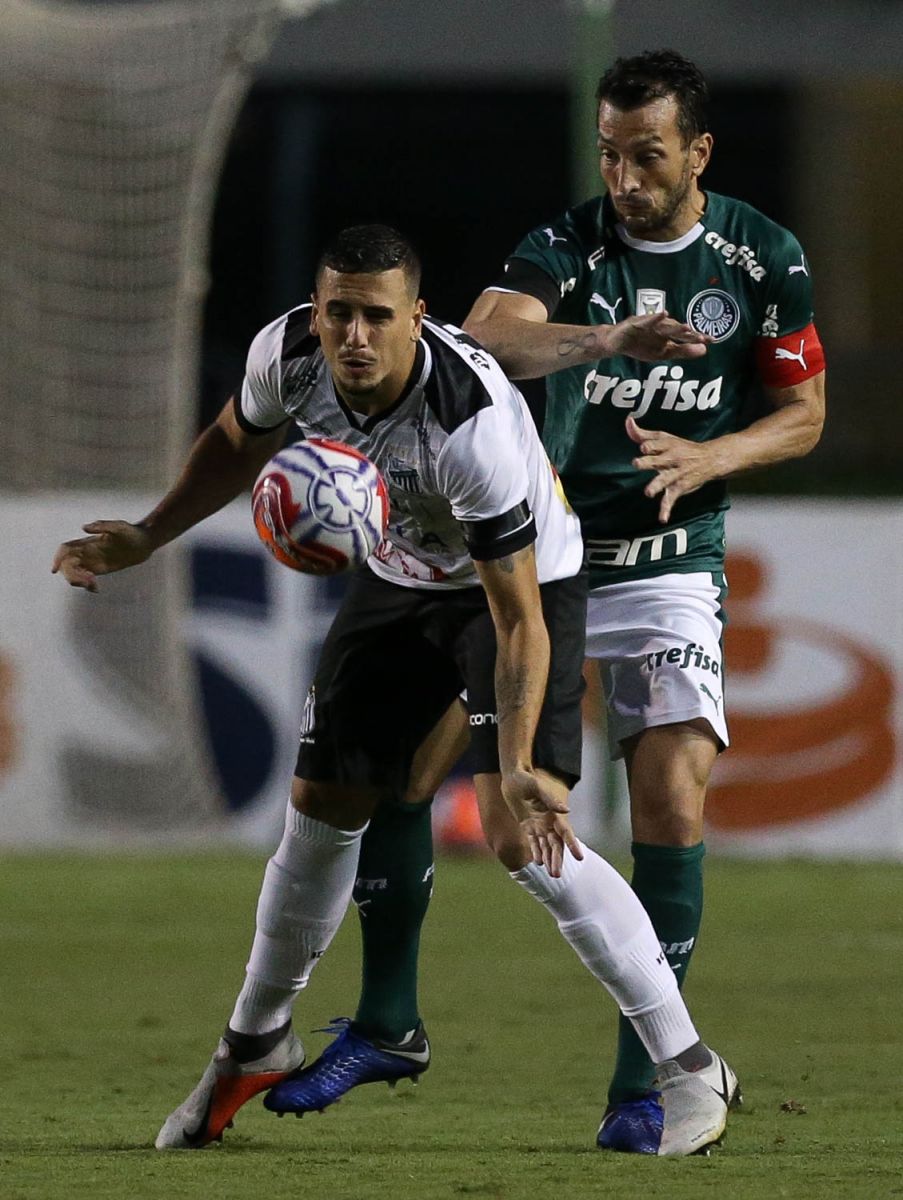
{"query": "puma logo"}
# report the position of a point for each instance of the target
(780, 352)
(553, 236)
(595, 298)
(801, 266)
(714, 700)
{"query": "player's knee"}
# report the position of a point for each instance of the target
(667, 807)
(500, 830)
(509, 847)
(420, 790)
(333, 804)
(678, 825)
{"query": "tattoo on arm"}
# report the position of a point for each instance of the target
(569, 346)
(566, 347)
(505, 564)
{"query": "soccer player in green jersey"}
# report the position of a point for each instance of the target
(644, 449)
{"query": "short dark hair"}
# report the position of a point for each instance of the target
(369, 249)
(654, 75)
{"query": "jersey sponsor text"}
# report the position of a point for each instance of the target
(663, 382)
(682, 657)
(477, 719)
(625, 552)
(770, 324)
(736, 256)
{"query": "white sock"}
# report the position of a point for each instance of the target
(600, 916)
(305, 893)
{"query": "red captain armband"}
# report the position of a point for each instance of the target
(785, 361)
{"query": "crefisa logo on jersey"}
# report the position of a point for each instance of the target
(714, 313)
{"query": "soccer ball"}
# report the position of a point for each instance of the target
(320, 507)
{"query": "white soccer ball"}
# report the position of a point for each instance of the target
(320, 507)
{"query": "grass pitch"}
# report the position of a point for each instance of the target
(120, 971)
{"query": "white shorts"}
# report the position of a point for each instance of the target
(658, 645)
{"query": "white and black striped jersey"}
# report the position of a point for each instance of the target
(467, 475)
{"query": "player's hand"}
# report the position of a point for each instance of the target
(680, 466)
(543, 820)
(655, 337)
(111, 546)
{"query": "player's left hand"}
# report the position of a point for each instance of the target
(680, 466)
(543, 820)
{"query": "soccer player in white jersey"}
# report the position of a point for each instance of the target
(482, 554)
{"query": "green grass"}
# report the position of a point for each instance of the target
(120, 971)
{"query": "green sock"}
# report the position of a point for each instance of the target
(668, 880)
(392, 892)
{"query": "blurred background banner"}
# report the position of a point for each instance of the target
(168, 172)
(815, 664)
(75, 735)
(814, 652)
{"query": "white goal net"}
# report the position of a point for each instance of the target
(114, 119)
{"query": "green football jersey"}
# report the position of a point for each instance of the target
(736, 276)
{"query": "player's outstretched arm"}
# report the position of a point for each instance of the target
(223, 461)
(682, 466)
(521, 672)
(514, 328)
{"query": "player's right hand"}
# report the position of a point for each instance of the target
(543, 820)
(654, 337)
(111, 546)
(549, 835)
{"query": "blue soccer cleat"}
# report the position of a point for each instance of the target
(634, 1126)
(345, 1064)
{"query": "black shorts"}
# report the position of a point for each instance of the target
(396, 658)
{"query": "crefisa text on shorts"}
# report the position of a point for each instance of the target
(682, 657)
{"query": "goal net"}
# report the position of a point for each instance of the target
(114, 119)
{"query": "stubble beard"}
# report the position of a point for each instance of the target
(357, 387)
(655, 222)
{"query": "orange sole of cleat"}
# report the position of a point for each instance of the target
(231, 1093)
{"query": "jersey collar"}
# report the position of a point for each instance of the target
(417, 378)
(680, 243)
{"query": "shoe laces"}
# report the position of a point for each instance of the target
(336, 1025)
